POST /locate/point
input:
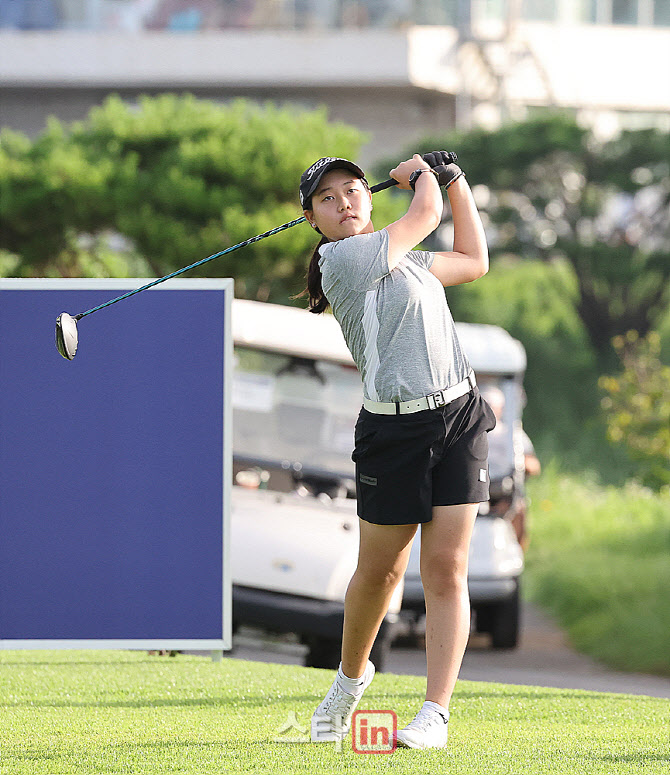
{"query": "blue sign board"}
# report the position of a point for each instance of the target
(115, 467)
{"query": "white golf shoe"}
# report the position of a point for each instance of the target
(428, 729)
(332, 719)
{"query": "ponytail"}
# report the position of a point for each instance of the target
(317, 301)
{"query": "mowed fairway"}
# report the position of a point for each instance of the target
(89, 712)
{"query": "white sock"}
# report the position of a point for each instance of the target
(350, 685)
(439, 708)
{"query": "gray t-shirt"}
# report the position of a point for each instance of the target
(397, 324)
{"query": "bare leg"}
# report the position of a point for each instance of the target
(445, 543)
(382, 560)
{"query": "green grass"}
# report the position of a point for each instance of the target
(599, 560)
(90, 712)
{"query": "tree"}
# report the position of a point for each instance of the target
(548, 189)
(179, 179)
(50, 190)
(637, 406)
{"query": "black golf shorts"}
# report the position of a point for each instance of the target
(408, 463)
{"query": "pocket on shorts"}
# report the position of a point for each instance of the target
(489, 415)
(364, 436)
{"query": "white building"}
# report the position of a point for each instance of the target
(398, 69)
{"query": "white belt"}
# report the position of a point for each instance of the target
(433, 401)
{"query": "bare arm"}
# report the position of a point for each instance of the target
(470, 257)
(424, 213)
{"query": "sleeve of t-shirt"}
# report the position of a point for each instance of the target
(422, 258)
(357, 262)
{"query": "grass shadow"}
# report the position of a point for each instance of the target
(26, 663)
(204, 702)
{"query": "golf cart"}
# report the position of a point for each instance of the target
(294, 528)
(495, 558)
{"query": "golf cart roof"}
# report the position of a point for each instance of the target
(297, 332)
(491, 349)
(289, 331)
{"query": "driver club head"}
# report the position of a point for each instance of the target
(67, 337)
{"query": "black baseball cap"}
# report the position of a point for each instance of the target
(310, 178)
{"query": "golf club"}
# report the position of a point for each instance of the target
(67, 335)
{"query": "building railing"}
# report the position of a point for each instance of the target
(207, 15)
(191, 16)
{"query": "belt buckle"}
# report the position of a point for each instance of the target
(438, 398)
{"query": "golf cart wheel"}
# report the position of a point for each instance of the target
(327, 652)
(504, 621)
(324, 653)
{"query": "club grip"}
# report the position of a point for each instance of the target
(386, 184)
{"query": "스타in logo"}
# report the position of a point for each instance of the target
(374, 731)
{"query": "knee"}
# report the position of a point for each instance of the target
(444, 576)
(379, 576)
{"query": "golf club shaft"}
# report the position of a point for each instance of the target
(379, 187)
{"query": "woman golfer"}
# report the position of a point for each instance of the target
(420, 442)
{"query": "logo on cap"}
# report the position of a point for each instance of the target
(321, 163)
(309, 179)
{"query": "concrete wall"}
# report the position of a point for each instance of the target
(231, 58)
